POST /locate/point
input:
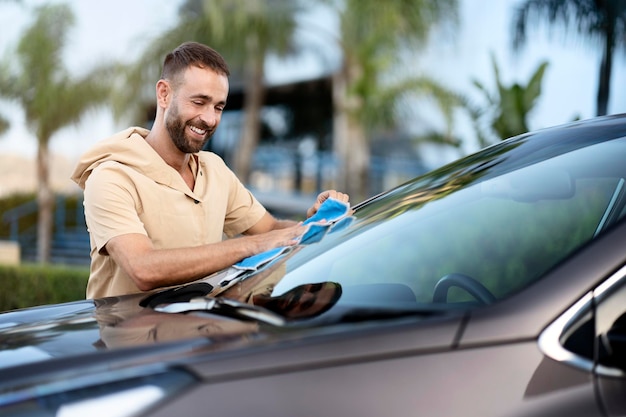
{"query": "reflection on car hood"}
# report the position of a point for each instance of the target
(84, 327)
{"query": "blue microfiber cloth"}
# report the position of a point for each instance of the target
(317, 232)
(256, 261)
(329, 212)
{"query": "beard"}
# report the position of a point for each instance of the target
(176, 128)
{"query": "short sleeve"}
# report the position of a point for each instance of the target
(111, 204)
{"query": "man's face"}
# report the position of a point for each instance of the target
(303, 301)
(196, 108)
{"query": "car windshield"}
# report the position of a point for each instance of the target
(470, 233)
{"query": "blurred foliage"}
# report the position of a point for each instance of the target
(35, 77)
(4, 125)
(599, 22)
(34, 285)
(507, 109)
(381, 44)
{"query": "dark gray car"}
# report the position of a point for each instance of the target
(493, 286)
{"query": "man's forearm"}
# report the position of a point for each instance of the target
(151, 268)
(283, 224)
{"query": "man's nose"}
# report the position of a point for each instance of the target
(210, 117)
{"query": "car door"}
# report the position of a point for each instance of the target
(591, 337)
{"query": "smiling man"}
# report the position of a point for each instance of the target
(157, 206)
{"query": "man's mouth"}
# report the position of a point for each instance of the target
(198, 131)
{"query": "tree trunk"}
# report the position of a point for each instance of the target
(604, 80)
(349, 141)
(358, 161)
(254, 96)
(45, 201)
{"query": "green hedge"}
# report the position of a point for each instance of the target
(32, 285)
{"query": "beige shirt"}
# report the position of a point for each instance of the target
(130, 189)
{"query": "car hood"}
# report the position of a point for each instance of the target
(91, 326)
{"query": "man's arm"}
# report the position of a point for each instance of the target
(151, 268)
(269, 223)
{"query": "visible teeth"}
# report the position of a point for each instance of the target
(197, 130)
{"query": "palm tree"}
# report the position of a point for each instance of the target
(4, 124)
(375, 39)
(50, 98)
(508, 108)
(246, 32)
(595, 20)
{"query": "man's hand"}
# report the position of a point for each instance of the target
(287, 236)
(325, 195)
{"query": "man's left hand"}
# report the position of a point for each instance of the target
(325, 195)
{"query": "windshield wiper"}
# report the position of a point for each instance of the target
(224, 307)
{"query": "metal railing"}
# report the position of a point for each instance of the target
(70, 242)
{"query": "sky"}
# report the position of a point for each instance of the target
(118, 29)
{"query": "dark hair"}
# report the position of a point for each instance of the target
(192, 53)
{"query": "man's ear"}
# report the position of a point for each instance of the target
(163, 93)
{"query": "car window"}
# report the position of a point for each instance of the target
(610, 325)
(502, 226)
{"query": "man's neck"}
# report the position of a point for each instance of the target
(164, 146)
